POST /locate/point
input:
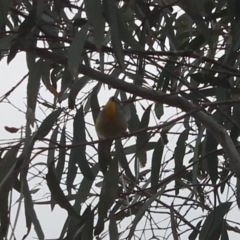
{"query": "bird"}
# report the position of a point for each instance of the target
(111, 123)
(112, 120)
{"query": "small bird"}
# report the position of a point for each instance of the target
(112, 120)
(111, 123)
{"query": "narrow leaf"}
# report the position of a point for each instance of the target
(27, 25)
(76, 87)
(7, 166)
(120, 154)
(133, 123)
(8, 163)
(58, 194)
(4, 6)
(50, 157)
(224, 233)
(156, 164)
(211, 161)
(94, 14)
(173, 224)
(179, 154)
(13, 51)
(214, 222)
(87, 232)
(85, 187)
(236, 39)
(78, 153)
(110, 11)
(35, 71)
(76, 49)
(142, 138)
(4, 208)
(48, 123)
(108, 194)
(158, 110)
(46, 77)
(113, 230)
(194, 233)
(51, 151)
(29, 209)
(66, 81)
(62, 155)
(94, 105)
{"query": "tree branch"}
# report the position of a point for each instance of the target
(157, 96)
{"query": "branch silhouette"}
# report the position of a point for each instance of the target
(157, 96)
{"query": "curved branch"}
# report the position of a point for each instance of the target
(175, 101)
(157, 96)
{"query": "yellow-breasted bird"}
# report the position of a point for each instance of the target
(111, 123)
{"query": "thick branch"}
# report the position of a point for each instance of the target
(157, 96)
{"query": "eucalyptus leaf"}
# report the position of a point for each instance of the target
(57, 193)
(107, 195)
(4, 6)
(156, 163)
(110, 11)
(179, 155)
(75, 88)
(142, 138)
(48, 123)
(212, 225)
(76, 50)
(77, 155)
(35, 70)
(62, 155)
(95, 17)
(29, 210)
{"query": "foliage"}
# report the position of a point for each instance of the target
(175, 66)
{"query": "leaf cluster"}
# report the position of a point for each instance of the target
(175, 66)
